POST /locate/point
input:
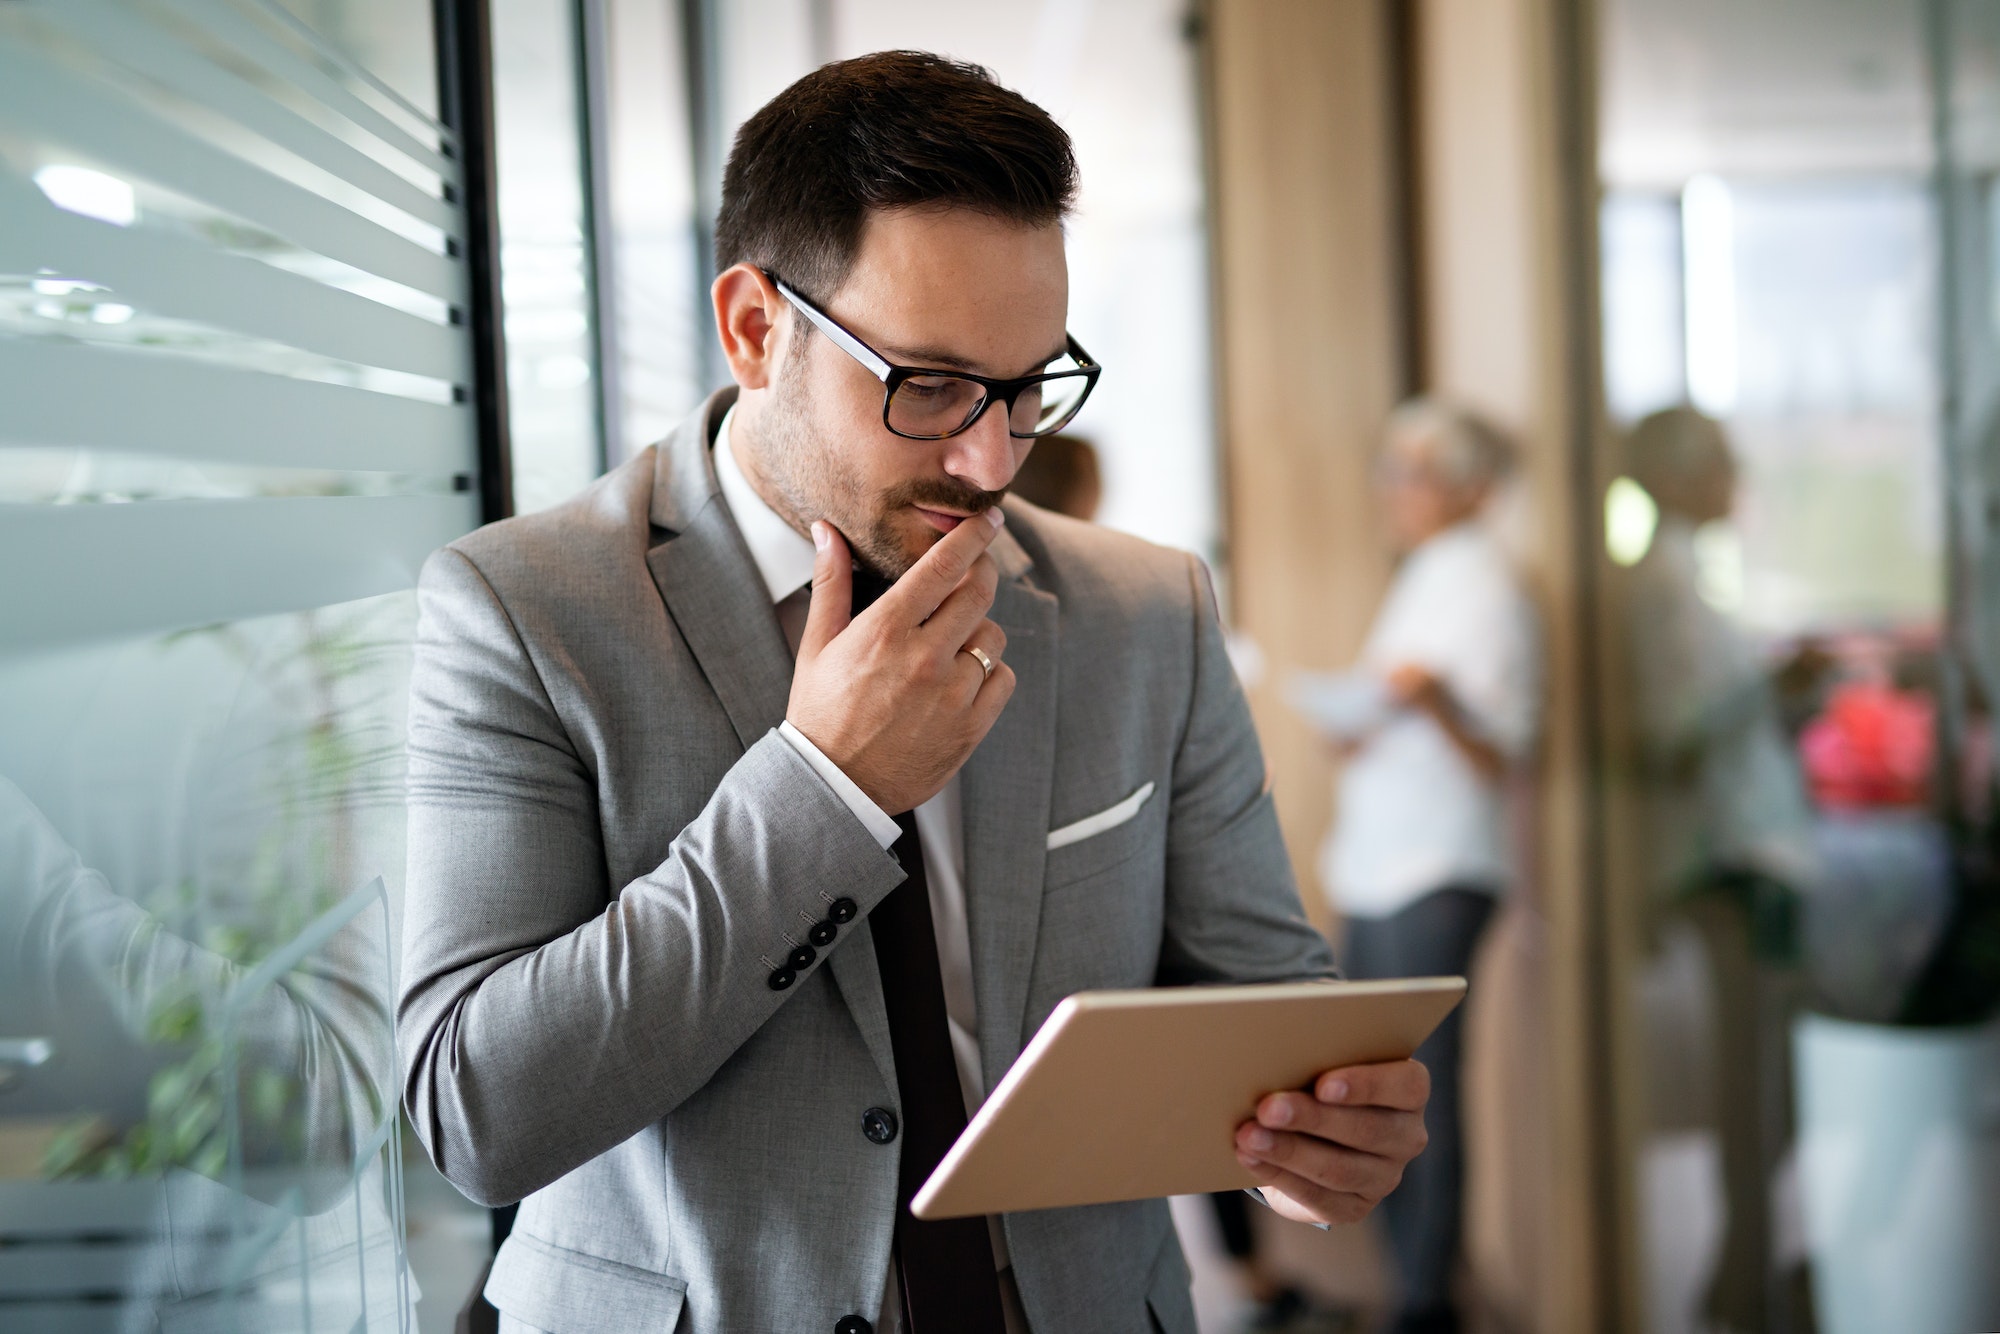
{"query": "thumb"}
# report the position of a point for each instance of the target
(832, 589)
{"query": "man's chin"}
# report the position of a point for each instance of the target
(890, 555)
(900, 542)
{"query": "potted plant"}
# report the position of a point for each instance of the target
(1898, 1062)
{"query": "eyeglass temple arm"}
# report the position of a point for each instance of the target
(846, 341)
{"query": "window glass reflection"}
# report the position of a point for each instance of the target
(236, 367)
(199, 837)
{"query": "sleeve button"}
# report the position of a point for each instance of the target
(801, 958)
(822, 933)
(782, 978)
(842, 912)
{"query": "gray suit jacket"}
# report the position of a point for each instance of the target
(610, 844)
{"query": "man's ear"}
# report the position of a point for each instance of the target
(748, 323)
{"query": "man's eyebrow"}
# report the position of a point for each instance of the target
(946, 360)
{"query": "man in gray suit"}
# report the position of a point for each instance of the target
(731, 891)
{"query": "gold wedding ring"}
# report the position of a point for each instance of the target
(979, 655)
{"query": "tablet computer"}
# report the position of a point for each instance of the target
(1129, 1095)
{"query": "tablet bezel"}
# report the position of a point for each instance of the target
(1127, 1095)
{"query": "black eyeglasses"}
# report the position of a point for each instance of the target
(923, 404)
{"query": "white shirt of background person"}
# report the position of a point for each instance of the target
(1417, 811)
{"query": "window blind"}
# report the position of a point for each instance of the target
(233, 337)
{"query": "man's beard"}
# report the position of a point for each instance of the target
(813, 479)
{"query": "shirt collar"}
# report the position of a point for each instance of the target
(783, 555)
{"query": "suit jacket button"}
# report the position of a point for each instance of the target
(841, 913)
(852, 1324)
(782, 978)
(822, 933)
(879, 1125)
(801, 958)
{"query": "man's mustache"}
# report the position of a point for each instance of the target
(935, 494)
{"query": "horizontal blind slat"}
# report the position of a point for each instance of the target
(73, 1270)
(227, 21)
(285, 18)
(60, 394)
(159, 55)
(170, 276)
(79, 572)
(112, 127)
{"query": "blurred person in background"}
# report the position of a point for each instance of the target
(1728, 845)
(1061, 474)
(1419, 853)
(1727, 795)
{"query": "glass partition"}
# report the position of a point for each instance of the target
(1798, 347)
(548, 279)
(236, 362)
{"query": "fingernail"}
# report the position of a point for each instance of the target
(994, 517)
(1245, 1159)
(1275, 1112)
(820, 539)
(1334, 1092)
(1259, 1140)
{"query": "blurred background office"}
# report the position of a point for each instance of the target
(293, 291)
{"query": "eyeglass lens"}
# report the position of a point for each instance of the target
(933, 406)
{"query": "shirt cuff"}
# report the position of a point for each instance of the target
(878, 821)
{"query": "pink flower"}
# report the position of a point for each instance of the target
(1871, 747)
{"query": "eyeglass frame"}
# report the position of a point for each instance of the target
(893, 376)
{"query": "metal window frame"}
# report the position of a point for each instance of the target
(465, 104)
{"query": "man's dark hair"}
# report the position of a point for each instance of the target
(896, 129)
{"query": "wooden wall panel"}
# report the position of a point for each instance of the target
(1309, 165)
(1304, 274)
(1505, 152)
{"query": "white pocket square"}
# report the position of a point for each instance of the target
(1092, 825)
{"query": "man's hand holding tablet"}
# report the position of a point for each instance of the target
(1126, 1095)
(1331, 1154)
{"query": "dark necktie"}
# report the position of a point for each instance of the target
(946, 1266)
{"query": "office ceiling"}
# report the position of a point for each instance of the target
(1784, 87)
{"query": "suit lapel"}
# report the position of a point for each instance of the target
(711, 586)
(1004, 792)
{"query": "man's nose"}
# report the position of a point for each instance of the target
(984, 455)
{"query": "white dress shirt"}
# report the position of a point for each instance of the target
(1415, 815)
(784, 557)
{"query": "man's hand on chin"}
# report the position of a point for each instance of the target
(1329, 1155)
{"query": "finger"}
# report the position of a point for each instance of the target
(1304, 1201)
(987, 704)
(965, 607)
(832, 590)
(1404, 1085)
(1386, 1131)
(992, 698)
(914, 597)
(989, 639)
(1330, 1165)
